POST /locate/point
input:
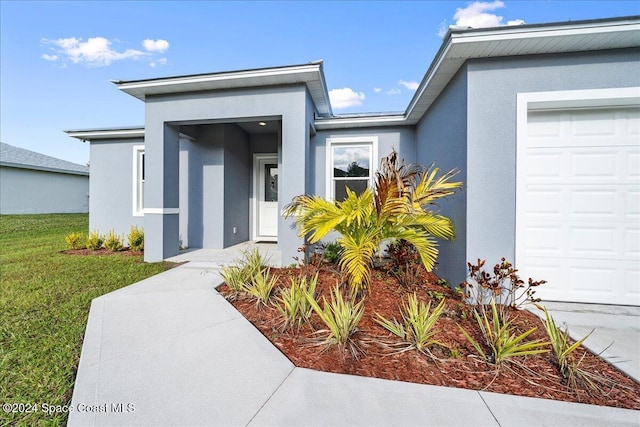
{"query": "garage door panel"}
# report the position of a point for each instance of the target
(597, 204)
(578, 217)
(544, 240)
(632, 244)
(580, 280)
(580, 165)
(593, 242)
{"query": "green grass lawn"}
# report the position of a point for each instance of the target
(44, 302)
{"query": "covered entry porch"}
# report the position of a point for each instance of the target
(215, 176)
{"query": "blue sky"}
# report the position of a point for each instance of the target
(57, 58)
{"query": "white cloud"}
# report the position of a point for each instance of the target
(409, 85)
(394, 91)
(155, 45)
(49, 57)
(161, 61)
(377, 89)
(345, 98)
(478, 15)
(96, 51)
(475, 15)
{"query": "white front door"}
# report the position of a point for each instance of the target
(266, 196)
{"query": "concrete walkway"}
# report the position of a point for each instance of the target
(169, 350)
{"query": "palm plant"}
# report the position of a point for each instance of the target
(396, 209)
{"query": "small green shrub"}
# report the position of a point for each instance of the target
(332, 252)
(403, 253)
(136, 238)
(292, 302)
(499, 335)
(113, 241)
(341, 317)
(416, 328)
(95, 240)
(75, 241)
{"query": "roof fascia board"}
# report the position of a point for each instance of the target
(97, 134)
(359, 122)
(307, 74)
(514, 33)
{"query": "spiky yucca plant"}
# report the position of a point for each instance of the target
(341, 317)
(416, 329)
(293, 304)
(398, 208)
(500, 336)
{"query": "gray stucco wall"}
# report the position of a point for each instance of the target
(28, 191)
(111, 186)
(472, 127)
(442, 139)
(238, 171)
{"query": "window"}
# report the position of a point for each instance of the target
(351, 163)
(138, 180)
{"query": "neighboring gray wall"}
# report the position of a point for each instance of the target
(442, 138)
(111, 186)
(400, 138)
(29, 191)
(491, 171)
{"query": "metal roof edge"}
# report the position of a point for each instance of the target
(43, 168)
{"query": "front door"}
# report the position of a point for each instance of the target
(266, 194)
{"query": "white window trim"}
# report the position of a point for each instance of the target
(350, 140)
(137, 151)
(555, 100)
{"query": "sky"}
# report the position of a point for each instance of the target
(57, 59)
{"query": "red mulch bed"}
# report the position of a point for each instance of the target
(534, 376)
(124, 251)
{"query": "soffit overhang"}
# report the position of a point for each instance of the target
(311, 75)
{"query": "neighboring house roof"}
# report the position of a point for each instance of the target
(310, 74)
(17, 157)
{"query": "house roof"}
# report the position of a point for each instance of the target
(459, 45)
(462, 44)
(310, 74)
(17, 157)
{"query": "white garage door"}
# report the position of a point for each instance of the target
(578, 214)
